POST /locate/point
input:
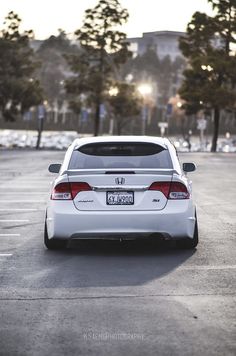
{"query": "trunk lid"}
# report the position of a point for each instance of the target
(126, 190)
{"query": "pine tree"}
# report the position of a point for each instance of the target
(103, 50)
(18, 88)
(54, 68)
(210, 79)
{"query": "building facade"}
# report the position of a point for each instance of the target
(164, 43)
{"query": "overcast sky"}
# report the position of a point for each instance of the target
(46, 16)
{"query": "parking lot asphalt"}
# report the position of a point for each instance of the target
(111, 298)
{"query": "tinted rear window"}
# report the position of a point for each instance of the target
(120, 155)
(121, 149)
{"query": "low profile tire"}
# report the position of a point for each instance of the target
(188, 243)
(53, 244)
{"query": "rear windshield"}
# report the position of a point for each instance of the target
(120, 155)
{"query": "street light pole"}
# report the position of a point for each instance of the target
(144, 118)
(41, 116)
(145, 90)
(113, 91)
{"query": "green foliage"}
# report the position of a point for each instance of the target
(103, 50)
(98, 30)
(225, 20)
(54, 68)
(18, 90)
(210, 79)
(125, 105)
(147, 64)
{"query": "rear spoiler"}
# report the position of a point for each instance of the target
(159, 171)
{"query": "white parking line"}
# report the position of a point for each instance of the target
(25, 178)
(19, 192)
(5, 254)
(44, 181)
(9, 234)
(23, 201)
(18, 185)
(14, 220)
(207, 268)
(24, 181)
(19, 209)
(21, 180)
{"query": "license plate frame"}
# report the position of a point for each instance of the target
(118, 202)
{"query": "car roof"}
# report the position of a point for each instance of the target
(164, 142)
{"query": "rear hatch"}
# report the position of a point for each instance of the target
(118, 176)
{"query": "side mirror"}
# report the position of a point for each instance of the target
(189, 167)
(54, 168)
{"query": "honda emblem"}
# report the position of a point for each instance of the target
(120, 180)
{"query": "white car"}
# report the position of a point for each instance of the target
(124, 187)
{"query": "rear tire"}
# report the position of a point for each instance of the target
(53, 244)
(188, 243)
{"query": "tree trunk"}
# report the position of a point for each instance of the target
(216, 129)
(78, 122)
(97, 118)
(118, 129)
(119, 125)
(99, 94)
(40, 129)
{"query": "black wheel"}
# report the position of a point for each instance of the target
(53, 244)
(188, 243)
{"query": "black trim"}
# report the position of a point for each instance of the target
(119, 172)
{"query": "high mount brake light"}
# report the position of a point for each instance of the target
(171, 190)
(68, 191)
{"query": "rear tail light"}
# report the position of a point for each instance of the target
(163, 187)
(171, 190)
(178, 191)
(61, 191)
(79, 187)
(68, 191)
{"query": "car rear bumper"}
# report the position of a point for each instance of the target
(175, 221)
(119, 236)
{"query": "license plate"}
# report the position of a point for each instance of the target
(120, 198)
